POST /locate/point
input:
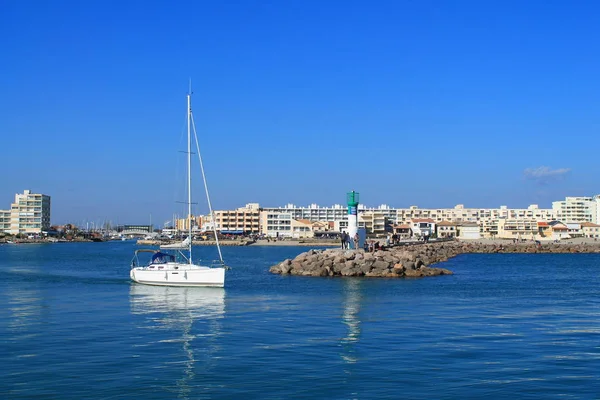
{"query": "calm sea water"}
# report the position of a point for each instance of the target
(73, 326)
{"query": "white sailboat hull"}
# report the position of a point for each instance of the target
(178, 274)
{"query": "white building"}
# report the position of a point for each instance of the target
(460, 214)
(468, 230)
(312, 212)
(374, 219)
(578, 209)
(30, 213)
(590, 230)
(276, 224)
(422, 227)
(5, 219)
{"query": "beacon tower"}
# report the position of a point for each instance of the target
(352, 200)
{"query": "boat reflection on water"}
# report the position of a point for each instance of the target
(189, 313)
(196, 302)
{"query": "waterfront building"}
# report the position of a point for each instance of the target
(5, 219)
(559, 230)
(276, 224)
(302, 228)
(488, 227)
(574, 229)
(29, 214)
(468, 230)
(373, 219)
(402, 231)
(422, 227)
(375, 222)
(446, 229)
(590, 230)
(241, 220)
(312, 213)
(578, 209)
(182, 225)
(519, 229)
(544, 230)
(461, 214)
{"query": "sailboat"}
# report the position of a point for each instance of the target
(181, 245)
(165, 269)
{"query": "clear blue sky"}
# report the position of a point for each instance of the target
(428, 103)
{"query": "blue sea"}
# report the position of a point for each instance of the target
(518, 326)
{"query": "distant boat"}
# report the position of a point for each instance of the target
(164, 269)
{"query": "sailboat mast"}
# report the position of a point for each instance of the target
(189, 172)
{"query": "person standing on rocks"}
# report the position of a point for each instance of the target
(343, 239)
(356, 241)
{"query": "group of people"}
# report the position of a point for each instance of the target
(345, 239)
(372, 246)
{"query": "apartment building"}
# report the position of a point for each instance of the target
(197, 221)
(520, 229)
(276, 224)
(374, 219)
(5, 219)
(578, 209)
(241, 220)
(29, 214)
(461, 214)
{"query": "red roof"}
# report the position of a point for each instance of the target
(589, 225)
(543, 224)
(446, 223)
(402, 226)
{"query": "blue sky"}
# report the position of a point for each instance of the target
(428, 103)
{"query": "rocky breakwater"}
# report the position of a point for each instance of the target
(397, 262)
(407, 261)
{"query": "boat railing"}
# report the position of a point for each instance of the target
(218, 264)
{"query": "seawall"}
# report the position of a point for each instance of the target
(406, 261)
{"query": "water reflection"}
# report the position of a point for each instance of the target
(195, 302)
(25, 309)
(197, 312)
(352, 296)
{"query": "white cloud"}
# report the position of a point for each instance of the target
(545, 175)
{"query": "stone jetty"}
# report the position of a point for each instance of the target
(406, 261)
